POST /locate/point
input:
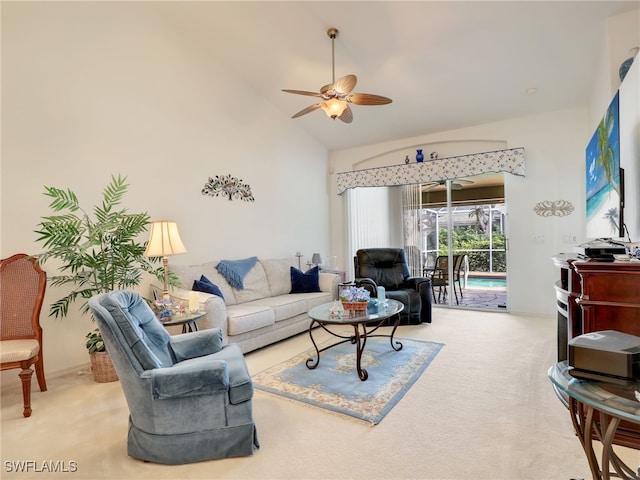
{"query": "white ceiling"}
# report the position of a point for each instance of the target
(445, 64)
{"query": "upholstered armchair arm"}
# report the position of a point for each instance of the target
(196, 344)
(190, 379)
(329, 283)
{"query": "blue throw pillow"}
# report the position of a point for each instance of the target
(306, 282)
(205, 285)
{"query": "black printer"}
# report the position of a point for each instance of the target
(607, 355)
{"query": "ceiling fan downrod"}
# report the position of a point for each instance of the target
(333, 33)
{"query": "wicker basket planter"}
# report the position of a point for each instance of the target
(358, 306)
(102, 367)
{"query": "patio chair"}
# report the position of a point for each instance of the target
(440, 277)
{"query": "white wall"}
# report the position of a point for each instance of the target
(554, 150)
(95, 89)
(555, 156)
(630, 149)
(622, 35)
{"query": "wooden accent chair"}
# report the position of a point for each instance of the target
(22, 287)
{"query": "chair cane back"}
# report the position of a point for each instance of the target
(22, 287)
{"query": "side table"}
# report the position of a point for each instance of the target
(599, 407)
(189, 321)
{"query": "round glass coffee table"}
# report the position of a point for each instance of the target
(364, 324)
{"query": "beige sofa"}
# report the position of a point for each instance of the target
(264, 311)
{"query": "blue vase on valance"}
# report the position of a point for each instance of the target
(419, 156)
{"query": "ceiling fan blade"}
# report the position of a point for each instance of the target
(303, 92)
(309, 109)
(456, 186)
(367, 99)
(430, 186)
(345, 85)
(347, 115)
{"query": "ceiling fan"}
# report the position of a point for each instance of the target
(456, 184)
(337, 95)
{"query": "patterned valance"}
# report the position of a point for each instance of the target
(510, 161)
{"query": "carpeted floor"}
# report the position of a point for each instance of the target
(334, 383)
(483, 410)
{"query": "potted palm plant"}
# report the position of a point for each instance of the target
(98, 250)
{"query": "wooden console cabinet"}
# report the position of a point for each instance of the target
(593, 296)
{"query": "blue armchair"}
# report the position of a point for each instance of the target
(189, 397)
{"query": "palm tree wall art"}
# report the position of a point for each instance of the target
(604, 212)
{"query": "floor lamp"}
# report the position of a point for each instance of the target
(164, 240)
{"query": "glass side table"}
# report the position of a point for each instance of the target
(598, 408)
(189, 321)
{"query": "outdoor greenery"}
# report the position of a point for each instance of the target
(476, 246)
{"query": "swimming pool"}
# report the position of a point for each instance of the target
(486, 282)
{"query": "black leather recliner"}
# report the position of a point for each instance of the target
(388, 268)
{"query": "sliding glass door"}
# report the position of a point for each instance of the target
(463, 231)
(453, 231)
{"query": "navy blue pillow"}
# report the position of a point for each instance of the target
(205, 285)
(306, 282)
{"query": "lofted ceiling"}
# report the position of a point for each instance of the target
(446, 64)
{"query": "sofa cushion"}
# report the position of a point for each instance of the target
(284, 306)
(278, 276)
(306, 282)
(188, 273)
(315, 299)
(205, 285)
(244, 318)
(255, 286)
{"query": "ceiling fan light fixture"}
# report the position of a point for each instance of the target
(334, 107)
(337, 95)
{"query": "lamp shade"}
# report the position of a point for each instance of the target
(164, 240)
(316, 259)
(334, 107)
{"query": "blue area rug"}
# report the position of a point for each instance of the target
(334, 384)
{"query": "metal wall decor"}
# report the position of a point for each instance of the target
(227, 186)
(557, 208)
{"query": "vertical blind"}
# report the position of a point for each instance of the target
(367, 221)
(411, 207)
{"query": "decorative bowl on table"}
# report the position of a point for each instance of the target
(354, 298)
(358, 306)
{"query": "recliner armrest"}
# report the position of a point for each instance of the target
(414, 282)
(369, 284)
(190, 379)
(196, 344)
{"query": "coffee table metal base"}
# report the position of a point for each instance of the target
(361, 331)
